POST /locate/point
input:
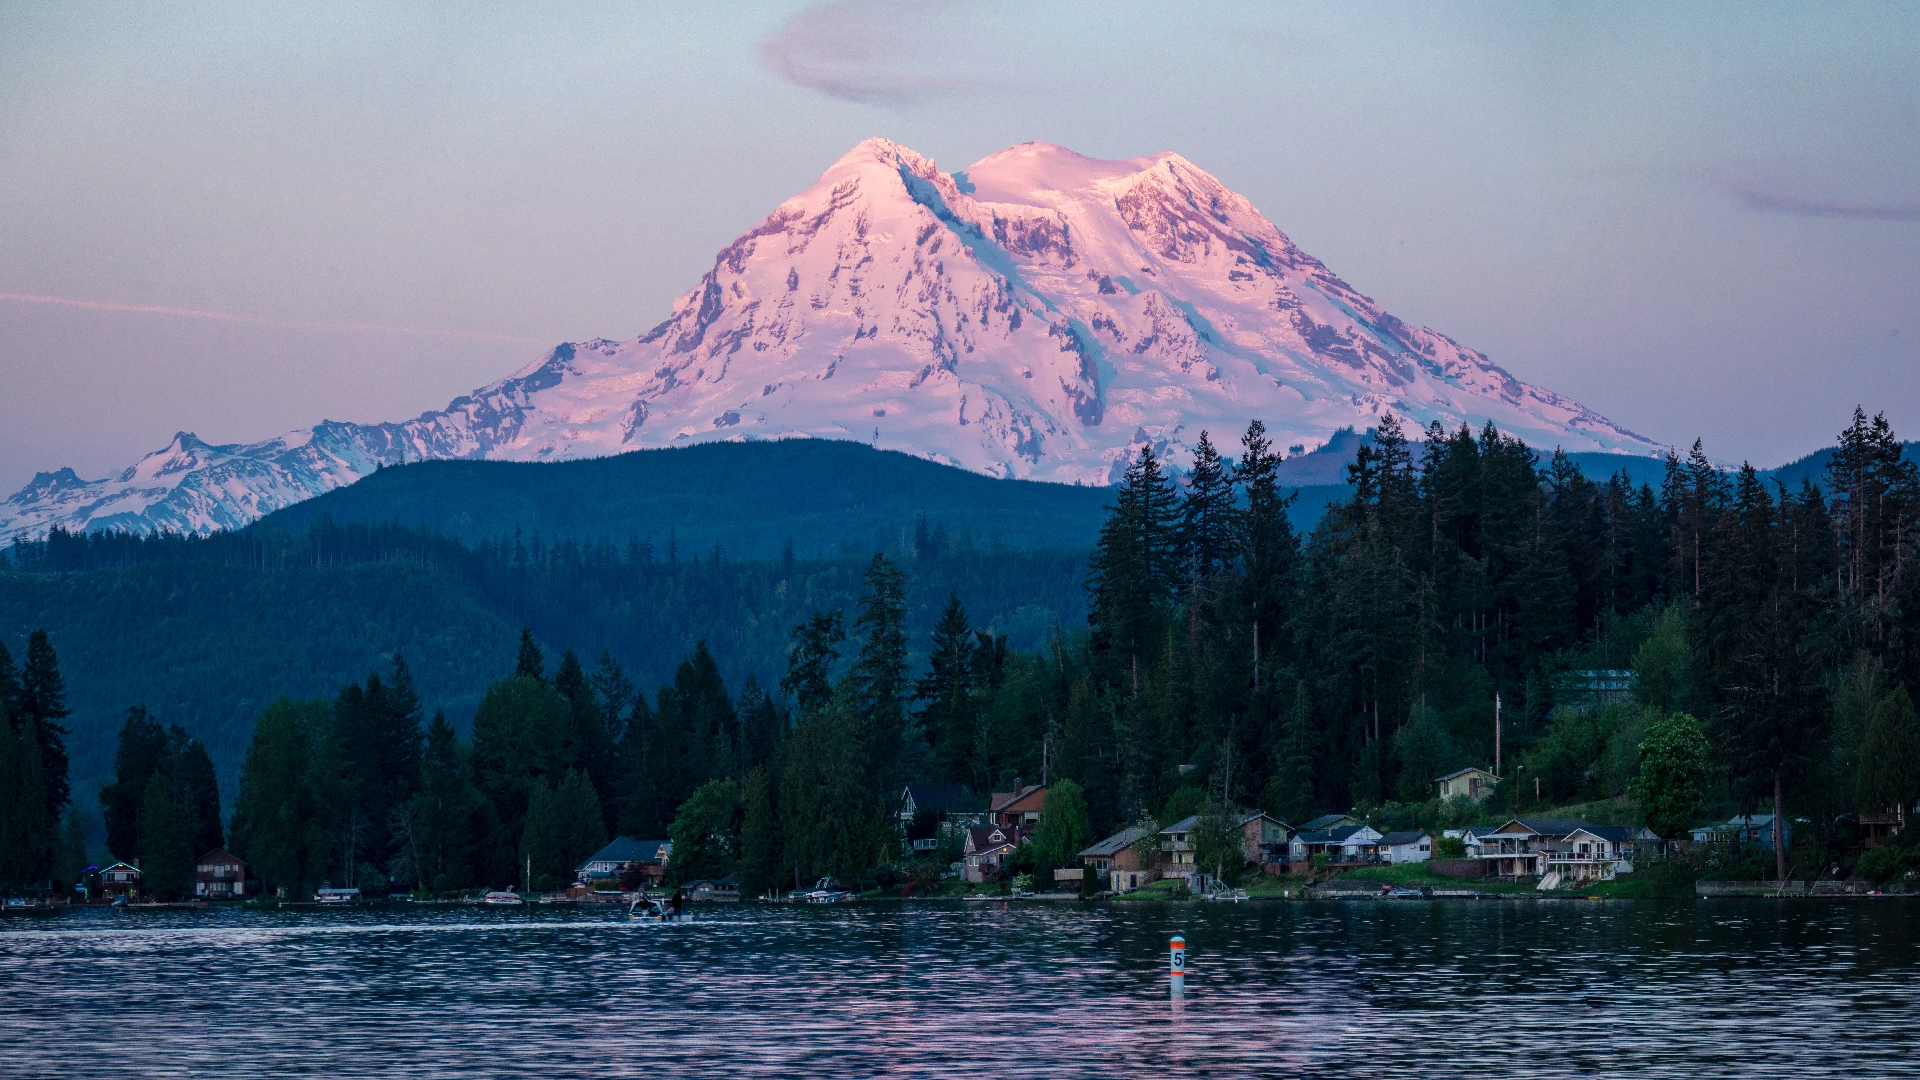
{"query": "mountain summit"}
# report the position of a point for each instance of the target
(1038, 315)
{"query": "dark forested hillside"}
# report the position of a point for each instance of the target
(829, 498)
(205, 632)
(751, 498)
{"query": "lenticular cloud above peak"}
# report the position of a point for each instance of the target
(1038, 315)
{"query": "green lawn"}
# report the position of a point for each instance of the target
(1160, 891)
(1414, 875)
(1631, 887)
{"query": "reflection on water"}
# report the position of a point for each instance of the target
(1719, 988)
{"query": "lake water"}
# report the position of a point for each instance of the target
(1334, 988)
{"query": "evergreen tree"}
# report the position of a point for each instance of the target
(26, 830)
(42, 705)
(10, 686)
(1133, 569)
(763, 726)
(143, 749)
(166, 858)
(282, 816)
(197, 790)
(563, 827)
(945, 693)
(614, 699)
(447, 813)
(1890, 755)
(583, 828)
(532, 664)
(1289, 794)
(1206, 537)
(760, 856)
(523, 732)
(816, 647)
(70, 860)
(879, 674)
(1269, 550)
(825, 813)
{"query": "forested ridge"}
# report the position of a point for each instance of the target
(205, 631)
(1225, 660)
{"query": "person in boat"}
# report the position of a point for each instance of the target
(679, 901)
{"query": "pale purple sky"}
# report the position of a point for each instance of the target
(1697, 219)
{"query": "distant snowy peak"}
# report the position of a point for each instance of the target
(1039, 314)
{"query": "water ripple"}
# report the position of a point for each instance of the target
(1720, 988)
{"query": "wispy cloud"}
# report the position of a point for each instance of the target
(885, 52)
(1777, 202)
(256, 320)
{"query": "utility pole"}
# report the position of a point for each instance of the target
(1496, 733)
(1256, 656)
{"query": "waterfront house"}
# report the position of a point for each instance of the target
(613, 860)
(1589, 853)
(1019, 808)
(122, 879)
(1406, 846)
(1341, 844)
(988, 849)
(1266, 838)
(1176, 843)
(1877, 829)
(1117, 861)
(1519, 848)
(1747, 830)
(1469, 783)
(930, 813)
(714, 890)
(219, 875)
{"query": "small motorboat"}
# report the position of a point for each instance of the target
(824, 891)
(508, 898)
(1225, 895)
(645, 910)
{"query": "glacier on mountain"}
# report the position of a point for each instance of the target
(1038, 315)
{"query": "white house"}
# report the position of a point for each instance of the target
(1521, 846)
(1406, 847)
(1347, 843)
(1589, 853)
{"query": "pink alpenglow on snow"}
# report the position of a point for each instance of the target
(1038, 315)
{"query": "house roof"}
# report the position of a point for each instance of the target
(221, 854)
(1325, 821)
(120, 866)
(989, 837)
(1030, 797)
(1750, 821)
(1463, 772)
(1548, 826)
(1330, 836)
(1185, 824)
(1258, 814)
(626, 849)
(943, 798)
(1405, 836)
(1615, 833)
(1115, 844)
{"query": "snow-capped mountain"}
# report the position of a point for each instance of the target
(1038, 315)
